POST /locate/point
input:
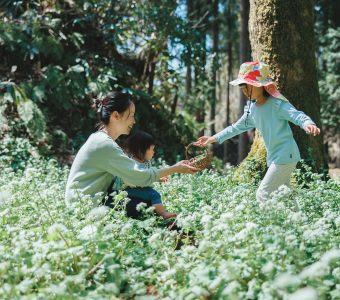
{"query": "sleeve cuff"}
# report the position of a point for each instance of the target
(218, 138)
(309, 122)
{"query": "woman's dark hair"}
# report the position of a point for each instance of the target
(114, 101)
(137, 144)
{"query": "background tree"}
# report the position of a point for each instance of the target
(245, 55)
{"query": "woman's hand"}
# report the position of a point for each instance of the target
(205, 141)
(312, 129)
(184, 166)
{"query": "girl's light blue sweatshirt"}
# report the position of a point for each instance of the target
(271, 119)
(98, 161)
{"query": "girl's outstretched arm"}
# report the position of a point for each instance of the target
(288, 112)
(243, 124)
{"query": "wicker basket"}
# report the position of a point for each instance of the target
(201, 161)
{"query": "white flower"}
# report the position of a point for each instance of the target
(199, 291)
(231, 288)
(112, 288)
(5, 198)
(141, 206)
(88, 232)
(268, 267)
(58, 289)
(97, 213)
(304, 294)
(317, 269)
(330, 255)
(285, 280)
(25, 285)
(206, 219)
(56, 228)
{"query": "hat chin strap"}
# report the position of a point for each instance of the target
(251, 92)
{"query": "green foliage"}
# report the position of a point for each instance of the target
(62, 55)
(230, 246)
(330, 80)
(253, 168)
(16, 152)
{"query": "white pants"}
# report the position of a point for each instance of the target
(276, 176)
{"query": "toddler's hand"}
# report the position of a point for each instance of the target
(205, 141)
(164, 179)
(312, 129)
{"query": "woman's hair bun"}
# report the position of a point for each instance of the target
(97, 104)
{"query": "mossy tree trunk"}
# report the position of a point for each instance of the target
(282, 35)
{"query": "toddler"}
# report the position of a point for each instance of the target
(140, 146)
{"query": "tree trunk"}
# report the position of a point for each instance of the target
(282, 35)
(215, 30)
(230, 68)
(243, 141)
(335, 13)
(190, 8)
(200, 72)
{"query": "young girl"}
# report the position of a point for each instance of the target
(268, 111)
(140, 146)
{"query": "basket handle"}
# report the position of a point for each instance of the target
(205, 149)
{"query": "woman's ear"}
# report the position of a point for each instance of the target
(115, 115)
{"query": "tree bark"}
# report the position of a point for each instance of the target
(282, 35)
(335, 13)
(215, 31)
(190, 8)
(243, 141)
(230, 68)
(200, 71)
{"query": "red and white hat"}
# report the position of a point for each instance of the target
(257, 74)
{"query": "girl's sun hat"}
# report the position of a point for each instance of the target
(257, 74)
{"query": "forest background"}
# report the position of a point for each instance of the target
(175, 57)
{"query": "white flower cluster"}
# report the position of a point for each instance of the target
(229, 246)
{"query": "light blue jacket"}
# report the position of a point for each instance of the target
(271, 119)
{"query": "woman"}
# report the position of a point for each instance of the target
(100, 159)
(268, 111)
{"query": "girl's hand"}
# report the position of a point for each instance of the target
(312, 129)
(205, 141)
(184, 166)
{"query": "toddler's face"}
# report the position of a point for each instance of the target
(150, 152)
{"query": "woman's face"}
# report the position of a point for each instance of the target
(126, 120)
(150, 152)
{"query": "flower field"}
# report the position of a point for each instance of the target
(229, 247)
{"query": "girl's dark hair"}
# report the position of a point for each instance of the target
(265, 93)
(137, 144)
(114, 101)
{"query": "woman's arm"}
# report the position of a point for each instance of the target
(181, 167)
(117, 163)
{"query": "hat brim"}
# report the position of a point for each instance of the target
(239, 81)
(269, 86)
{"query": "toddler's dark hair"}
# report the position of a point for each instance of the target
(137, 144)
